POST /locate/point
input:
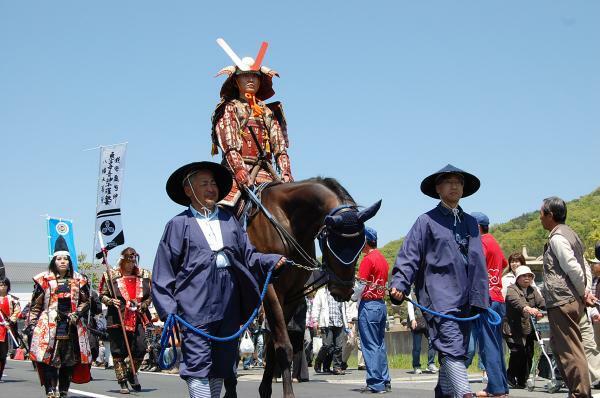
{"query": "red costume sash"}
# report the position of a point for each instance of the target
(5, 309)
(132, 290)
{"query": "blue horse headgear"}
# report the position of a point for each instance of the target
(344, 232)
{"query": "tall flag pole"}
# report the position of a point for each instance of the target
(108, 199)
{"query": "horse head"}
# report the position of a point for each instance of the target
(342, 238)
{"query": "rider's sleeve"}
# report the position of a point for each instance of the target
(276, 137)
(229, 137)
(163, 271)
(279, 145)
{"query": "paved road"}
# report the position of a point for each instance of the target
(21, 382)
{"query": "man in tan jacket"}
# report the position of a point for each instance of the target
(567, 295)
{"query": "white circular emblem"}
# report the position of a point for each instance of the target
(62, 228)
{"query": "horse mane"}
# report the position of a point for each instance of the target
(334, 186)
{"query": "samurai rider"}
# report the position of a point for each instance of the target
(250, 133)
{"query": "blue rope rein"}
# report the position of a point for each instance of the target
(492, 316)
(173, 319)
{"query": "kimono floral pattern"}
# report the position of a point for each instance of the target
(44, 333)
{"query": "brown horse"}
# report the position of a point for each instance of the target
(317, 208)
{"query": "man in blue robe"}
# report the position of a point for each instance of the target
(443, 256)
(207, 271)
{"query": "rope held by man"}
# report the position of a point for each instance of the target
(494, 318)
(172, 322)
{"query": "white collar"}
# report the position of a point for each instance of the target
(201, 216)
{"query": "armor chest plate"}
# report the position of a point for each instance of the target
(249, 149)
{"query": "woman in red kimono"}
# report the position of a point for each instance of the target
(9, 311)
(60, 345)
(132, 287)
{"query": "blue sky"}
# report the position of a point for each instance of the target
(377, 94)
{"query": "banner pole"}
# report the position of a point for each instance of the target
(49, 238)
(97, 202)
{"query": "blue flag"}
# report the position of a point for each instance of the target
(61, 227)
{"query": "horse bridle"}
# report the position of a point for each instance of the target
(321, 236)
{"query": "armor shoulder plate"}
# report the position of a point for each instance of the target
(277, 109)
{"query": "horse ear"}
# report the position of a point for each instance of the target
(333, 221)
(369, 212)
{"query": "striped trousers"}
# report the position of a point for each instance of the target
(452, 379)
(203, 387)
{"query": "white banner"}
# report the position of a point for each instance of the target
(108, 203)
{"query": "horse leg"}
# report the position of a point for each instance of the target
(281, 345)
(266, 389)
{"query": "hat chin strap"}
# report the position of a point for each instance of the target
(205, 210)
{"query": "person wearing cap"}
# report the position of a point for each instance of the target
(567, 294)
(489, 337)
(372, 314)
(515, 260)
(10, 310)
(443, 256)
(523, 301)
(207, 272)
(250, 133)
(59, 339)
(130, 294)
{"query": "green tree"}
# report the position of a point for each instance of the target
(91, 270)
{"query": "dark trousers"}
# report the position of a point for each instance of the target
(54, 377)
(416, 350)
(519, 363)
(567, 346)
(333, 342)
(3, 354)
(136, 341)
(299, 362)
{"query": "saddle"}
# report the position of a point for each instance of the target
(246, 209)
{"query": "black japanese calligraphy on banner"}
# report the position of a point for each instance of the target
(108, 203)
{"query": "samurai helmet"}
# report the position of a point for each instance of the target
(246, 65)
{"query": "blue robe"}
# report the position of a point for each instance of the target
(448, 278)
(187, 282)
